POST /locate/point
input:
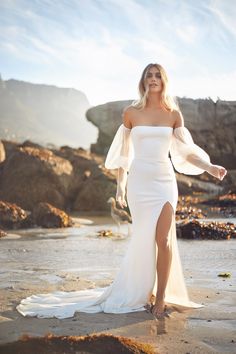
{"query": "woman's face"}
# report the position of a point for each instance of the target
(153, 80)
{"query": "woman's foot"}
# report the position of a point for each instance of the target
(159, 309)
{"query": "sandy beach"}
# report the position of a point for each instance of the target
(210, 329)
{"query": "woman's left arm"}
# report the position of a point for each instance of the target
(188, 157)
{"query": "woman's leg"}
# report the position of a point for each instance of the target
(164, 255)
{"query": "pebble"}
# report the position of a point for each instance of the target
(105, 233)
(224, 275)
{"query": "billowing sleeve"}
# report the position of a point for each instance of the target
(186, 156)
(121, 152)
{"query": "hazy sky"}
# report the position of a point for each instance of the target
(101, 46)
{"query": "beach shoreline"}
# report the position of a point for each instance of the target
(209, 329)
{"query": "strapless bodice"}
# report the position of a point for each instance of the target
(151, 142)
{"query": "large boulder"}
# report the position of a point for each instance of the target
(95, 192)
(91, 182)
(46, 215)
(213, 230)
(213, 126)
(11, 215)
(32, 175)
(188, 184)
(106, 117)
(69, 179)
(43, 214)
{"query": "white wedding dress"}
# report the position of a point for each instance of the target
(142, 152)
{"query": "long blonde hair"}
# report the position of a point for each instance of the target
(167, 102)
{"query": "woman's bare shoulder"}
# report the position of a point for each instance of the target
(177, 118)
(127, 115)
(129, 110)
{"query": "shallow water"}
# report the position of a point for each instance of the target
(53, 255)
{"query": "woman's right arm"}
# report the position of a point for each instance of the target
(122, 174)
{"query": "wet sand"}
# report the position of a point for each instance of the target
(210, 329)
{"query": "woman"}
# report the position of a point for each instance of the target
(157, 126)
(151, 127)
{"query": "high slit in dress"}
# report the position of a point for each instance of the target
(143, 152)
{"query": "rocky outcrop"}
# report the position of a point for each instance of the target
(31, 175)
(107, 118)
(91, 343)
(92, 184)
(74, 179)
(45, 215)
(186, 184)
(212, 124)
(226, 204)
(69, 179)
(11, 215)
(94, 193)
(206, 230)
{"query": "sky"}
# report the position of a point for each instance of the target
(101, 47)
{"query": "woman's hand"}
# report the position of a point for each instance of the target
(218, 171)
(120, 197)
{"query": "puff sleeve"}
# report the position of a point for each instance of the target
(121, 152)
(186, 156)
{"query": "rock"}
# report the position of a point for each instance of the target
(29, 143)
(84, 164)
(184, 212)
(225, 204)
(73, 180)
(215, 185)
(188, 184)
(31, 175)
(201, 230)
(229, 181)
(94, 193)
(10, 147)
(2, 233)
(224, 275)
(228, 200)
(45, 215)
(70, 179)
(88, 180)
(107, 118)
(92, 183)
(105, 233)
(11, 215)
(92, 343)
(2, 152)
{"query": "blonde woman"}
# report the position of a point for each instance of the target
(152, 127)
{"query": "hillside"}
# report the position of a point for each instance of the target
(45, 114)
